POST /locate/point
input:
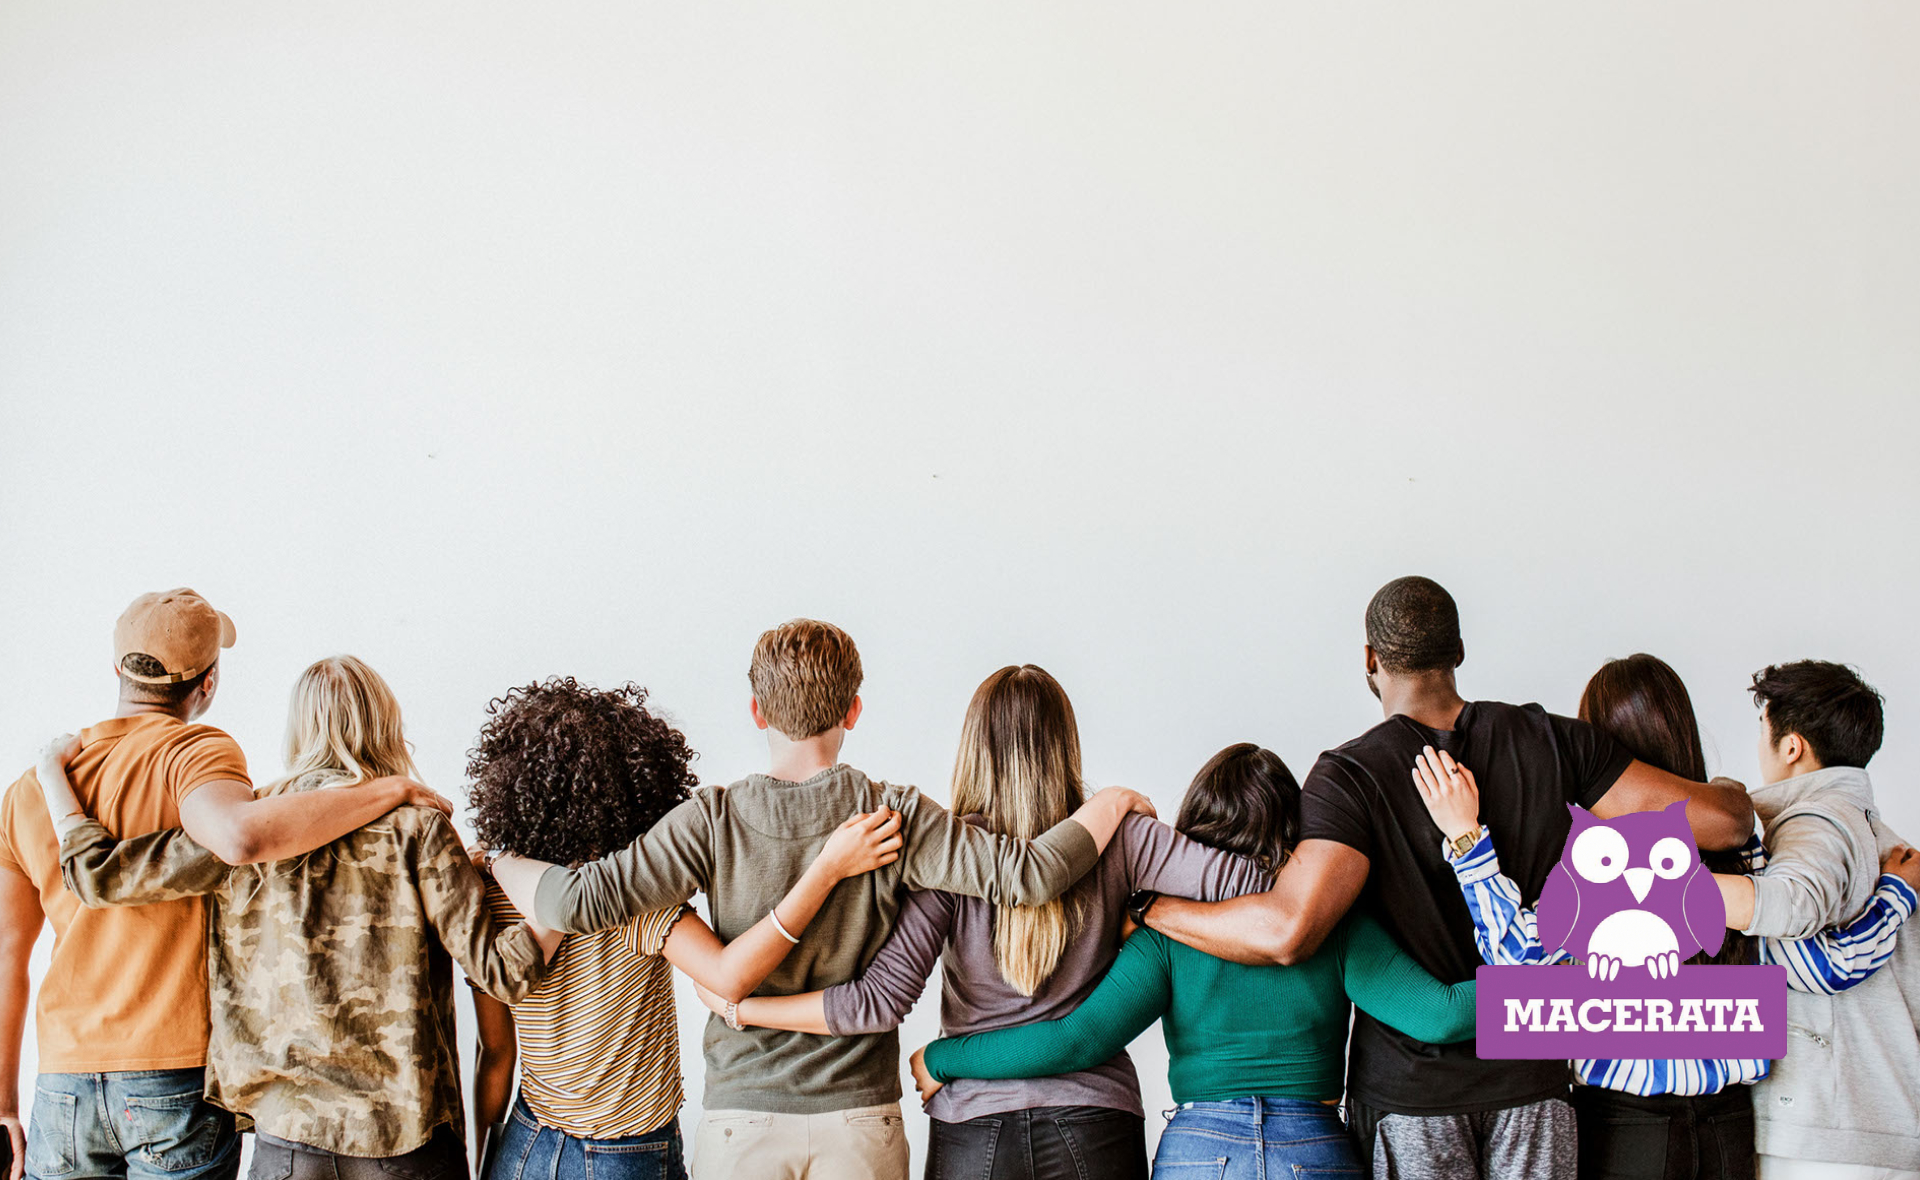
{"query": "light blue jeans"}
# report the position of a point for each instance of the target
(534, 1152)
(134, 1125)
(1255, 1139)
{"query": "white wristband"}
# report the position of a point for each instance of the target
(732, 1017)
(781, 927)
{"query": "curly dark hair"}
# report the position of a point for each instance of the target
(566, 773)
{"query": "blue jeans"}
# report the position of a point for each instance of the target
(136, 1125)
(530, 1151)
(1255, 1139)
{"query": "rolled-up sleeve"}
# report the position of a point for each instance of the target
(503, 962)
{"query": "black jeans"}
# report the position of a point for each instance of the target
(1044, 1143)
(444, 1157)
(1665, 1137)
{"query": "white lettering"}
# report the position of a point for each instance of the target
(1659, 1015)
(1561, 1019)
(1719, 1008)
(1527, 1013)
(1626, 1016)
(1590, 1024)
(1747, 1019)
(1692, 1017)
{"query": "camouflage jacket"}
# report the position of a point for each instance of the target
(332, 993)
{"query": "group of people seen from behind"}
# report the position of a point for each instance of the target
(280, 958)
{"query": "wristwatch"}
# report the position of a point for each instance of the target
(1138, 903)
(1462, 844)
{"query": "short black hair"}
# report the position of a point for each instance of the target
(1414, 626)
(1246, 801)
(566, 773)
(141, 664)
(1829, 705)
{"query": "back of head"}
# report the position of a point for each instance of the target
(1245, 801)
(805, 675)
(166, 645)
(1839, 715)
(566, 773)
(1019, 768)
(1642, 703)
(344, 719)
(1414, 626)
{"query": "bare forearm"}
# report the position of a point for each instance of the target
(1721, 815)
(745, 963)
(13, 1023)
(1258, 929)
(492, 1087)
(519, 878)
(246, 830)
(806, 1013)
(1737, 892)
(1284, 925)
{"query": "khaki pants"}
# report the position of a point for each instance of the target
(865, 1143)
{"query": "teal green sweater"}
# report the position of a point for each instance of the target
(1232, 1031)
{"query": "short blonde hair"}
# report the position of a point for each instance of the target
(805, 674)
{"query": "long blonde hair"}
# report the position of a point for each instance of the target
(344, 721)
(1019, 768)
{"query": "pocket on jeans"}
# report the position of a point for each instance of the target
(176, 1132)
(962, 1151)
(1213, 1169)
(271, 1161)
(50, 1133)
(1108, 1143)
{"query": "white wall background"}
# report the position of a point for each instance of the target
(490, 341)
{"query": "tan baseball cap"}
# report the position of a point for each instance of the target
(176, 627)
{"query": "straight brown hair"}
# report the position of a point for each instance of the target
(1642, 703)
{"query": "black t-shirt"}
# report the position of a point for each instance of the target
(1530, 764)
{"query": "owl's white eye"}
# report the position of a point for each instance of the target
(1671, 857)
(1600, 854)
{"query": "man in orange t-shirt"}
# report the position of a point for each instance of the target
(122, 1017)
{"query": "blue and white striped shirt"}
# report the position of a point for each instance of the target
(1829, 962)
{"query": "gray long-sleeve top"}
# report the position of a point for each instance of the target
(958, 932)
(1821, 863)
(1848, 1090)
(745, 846)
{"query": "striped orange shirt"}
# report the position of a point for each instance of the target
(599, 1038)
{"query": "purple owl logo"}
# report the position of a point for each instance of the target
(1631, 892)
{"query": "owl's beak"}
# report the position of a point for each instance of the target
(1640, 881)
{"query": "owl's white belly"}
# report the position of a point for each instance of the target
(1632, 936)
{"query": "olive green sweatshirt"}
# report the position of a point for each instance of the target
(745, 846)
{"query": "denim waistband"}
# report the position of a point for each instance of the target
(1258, 1107)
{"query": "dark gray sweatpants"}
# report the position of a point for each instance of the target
(1533, 1142)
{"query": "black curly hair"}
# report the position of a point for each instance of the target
(566, 773)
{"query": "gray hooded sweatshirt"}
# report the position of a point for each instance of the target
(1848, 1090)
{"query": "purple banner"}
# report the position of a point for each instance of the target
(1542, 1013)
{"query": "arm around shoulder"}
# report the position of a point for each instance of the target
(664, 867)
(1719, 812)
(944, 852)
(1284, 925)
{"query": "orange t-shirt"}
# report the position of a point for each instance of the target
(127, 987)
